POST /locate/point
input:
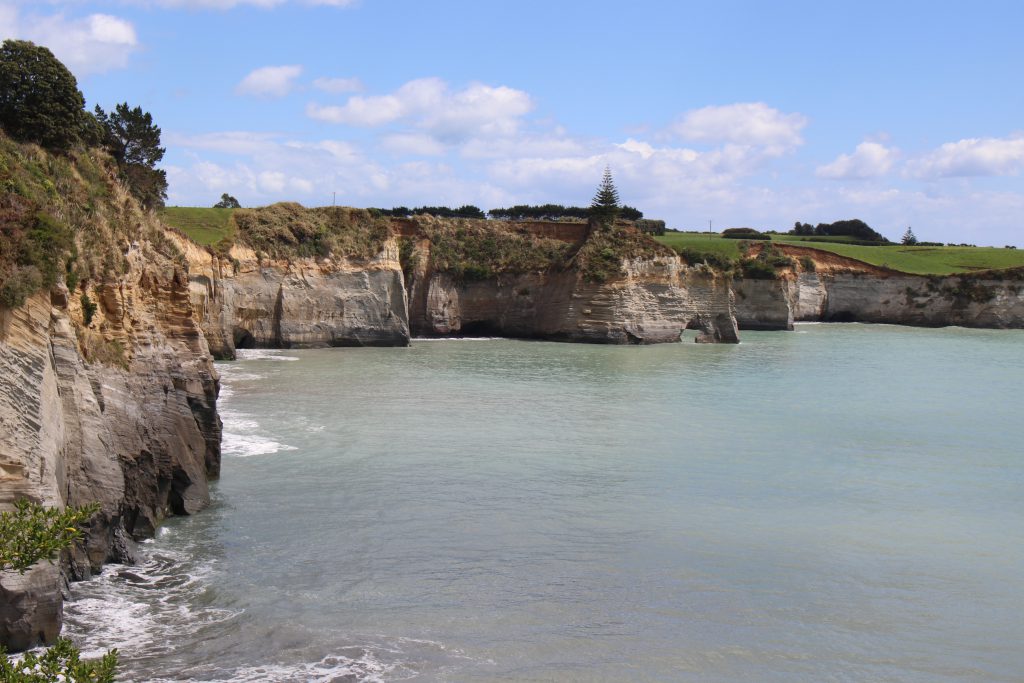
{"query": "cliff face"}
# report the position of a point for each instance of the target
(910, 300)
(121, 412)
(242, 302)
(653, 301)
(841, 290)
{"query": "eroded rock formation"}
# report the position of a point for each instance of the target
(844, 290)
(241, 301)
(121, 412)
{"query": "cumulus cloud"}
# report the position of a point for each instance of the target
(429, 104)
(869, 160)
(228, 142)
(92, 44)
(412, 143)
(745, 123)
(269, 81)
(972, 157)
(337, 86)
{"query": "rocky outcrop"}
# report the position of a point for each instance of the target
(242, 301)
(653, 301)
(968, 301)
(121, 412)
(763, 304)
(843, 290)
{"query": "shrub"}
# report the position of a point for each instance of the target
(88, 309)
(757, 269)
(472, 250)
(715, 260)
(61, 663)
(28, 534)
(19, 284)
(744, 234)
(807, 263)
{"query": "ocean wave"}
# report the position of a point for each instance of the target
(141, 609)
(247, 445)
(470, 339)
(263, 354)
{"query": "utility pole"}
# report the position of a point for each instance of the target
(334, 199)
(709, 226)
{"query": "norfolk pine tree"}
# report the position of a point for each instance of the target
(604, 209)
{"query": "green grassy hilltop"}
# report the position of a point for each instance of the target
(906, 259)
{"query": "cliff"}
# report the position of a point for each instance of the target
(843, 290)
(653, 301)
(243, 301)
(437, 277)
(107, 389)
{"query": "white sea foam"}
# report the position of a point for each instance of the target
(246, 445)
(262, 354)
(118, 609)
(470, 339)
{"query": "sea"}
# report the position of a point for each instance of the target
(843, 502)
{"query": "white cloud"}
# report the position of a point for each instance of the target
(228, 142)
(429, 104)
(269, 81)
(412, 143)
(746, 123)
(972, 157)
(337, 86)
(869, 160)
(91, 44)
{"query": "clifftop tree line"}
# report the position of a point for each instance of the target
(40, 103)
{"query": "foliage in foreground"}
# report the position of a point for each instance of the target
(31, 532)
(28, 534)
(61, 663)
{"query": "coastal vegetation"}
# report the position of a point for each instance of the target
(477, 250)
(206, 227)
(61, 206)
(32, 533)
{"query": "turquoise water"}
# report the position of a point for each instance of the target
(841, 503)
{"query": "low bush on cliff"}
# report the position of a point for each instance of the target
(28, 534)
(600, 258)
(477, 250)
(63, 217)
(289, 230)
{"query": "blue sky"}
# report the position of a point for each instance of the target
(745, 113)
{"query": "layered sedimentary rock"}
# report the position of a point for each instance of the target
(763, 304)
(122, 412)
(653, 301)
(968, 301)
(843, 290)
(242, 301)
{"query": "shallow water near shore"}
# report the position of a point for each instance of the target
(845, 502)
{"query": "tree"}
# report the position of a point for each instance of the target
(908, 238)
(134, 141)
(227, 202)
(39, 98)
(28, 534)
(605, 206)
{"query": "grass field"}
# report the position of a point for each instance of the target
(713, 243)
(203, 226)
(914, 260)
(928, 260)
